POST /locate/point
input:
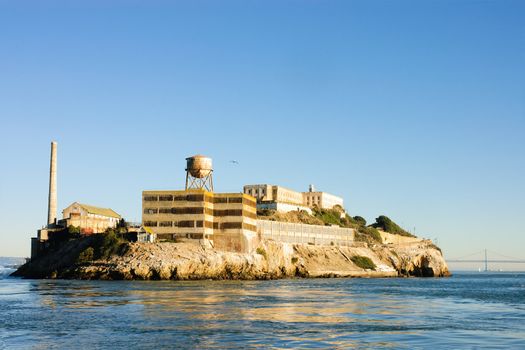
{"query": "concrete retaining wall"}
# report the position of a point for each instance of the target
(302, 233)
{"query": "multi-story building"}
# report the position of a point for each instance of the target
(285, 200)
(227, 220)
(276, 198)
(89, 218)
(322, 200)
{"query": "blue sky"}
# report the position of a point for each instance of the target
(412, 109)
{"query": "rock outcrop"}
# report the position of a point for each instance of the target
(187, 261)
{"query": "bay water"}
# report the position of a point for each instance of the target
(465, 311)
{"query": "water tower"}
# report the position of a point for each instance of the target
(199, 172)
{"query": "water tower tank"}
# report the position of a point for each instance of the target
(199, 166)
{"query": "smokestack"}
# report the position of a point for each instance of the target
(52, 203)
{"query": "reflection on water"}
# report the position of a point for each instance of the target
(463, 311)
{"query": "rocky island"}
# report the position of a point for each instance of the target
(264, 232)
(107, 257)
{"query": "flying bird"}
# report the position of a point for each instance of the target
(234, 162)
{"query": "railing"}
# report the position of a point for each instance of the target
(289, 232)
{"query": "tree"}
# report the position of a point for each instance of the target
(360, 220)
(383, 222)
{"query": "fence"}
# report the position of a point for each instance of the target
(290, 232)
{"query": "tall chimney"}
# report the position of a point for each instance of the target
(52, 203)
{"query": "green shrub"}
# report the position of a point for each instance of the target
(360, 220)
(262, 252)
(86, 255)
(384, 223)
(363, 262)
(371, 232)
(108, 244)
(329, 216)
(265, 212)
(295, 259)
(73, 230)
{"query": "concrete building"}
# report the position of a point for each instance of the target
(284, 200)
(276, 198)
(226, 220)
(89, 218)
(322, 200)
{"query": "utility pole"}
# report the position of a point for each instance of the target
(486, 262)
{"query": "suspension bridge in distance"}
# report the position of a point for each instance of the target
(500, 259)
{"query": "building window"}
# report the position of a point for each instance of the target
(195, 198)
(150, 223)
(150, 198)
(165, 224)
(150, 211)
(186, 223)
(166, 198)
(227, 212)
(181, 211)
(231, 225)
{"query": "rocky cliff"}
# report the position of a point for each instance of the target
(183, 261)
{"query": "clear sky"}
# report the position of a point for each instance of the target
(412, 109)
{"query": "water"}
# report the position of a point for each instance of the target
(473, 310)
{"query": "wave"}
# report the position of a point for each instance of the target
(9, 265)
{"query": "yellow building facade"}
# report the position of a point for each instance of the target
(88, 218)
(226, 220)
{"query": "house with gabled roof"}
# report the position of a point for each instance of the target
(89, 218)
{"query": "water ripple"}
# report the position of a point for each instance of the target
(465, 311)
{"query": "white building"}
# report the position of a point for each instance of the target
(322, 200)
(284, 200)
(276, 198)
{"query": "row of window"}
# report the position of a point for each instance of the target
(190, 210)
(188, 197)
(199, 210)
(187, 223)
(256, 191)
(198, 198)
(200, 223)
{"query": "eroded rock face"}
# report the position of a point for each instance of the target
(187, 261)
(421, 260)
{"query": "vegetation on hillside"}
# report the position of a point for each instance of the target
(262, 251)
(363, 262)
(103, 246)
(301, 216)
(384, 223)
(368, 234)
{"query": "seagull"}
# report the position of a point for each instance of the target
(234, 162)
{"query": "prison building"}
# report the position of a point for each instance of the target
(227, 220)
(284, 200)
(276, 198)
(89, 218)
(322, 200)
